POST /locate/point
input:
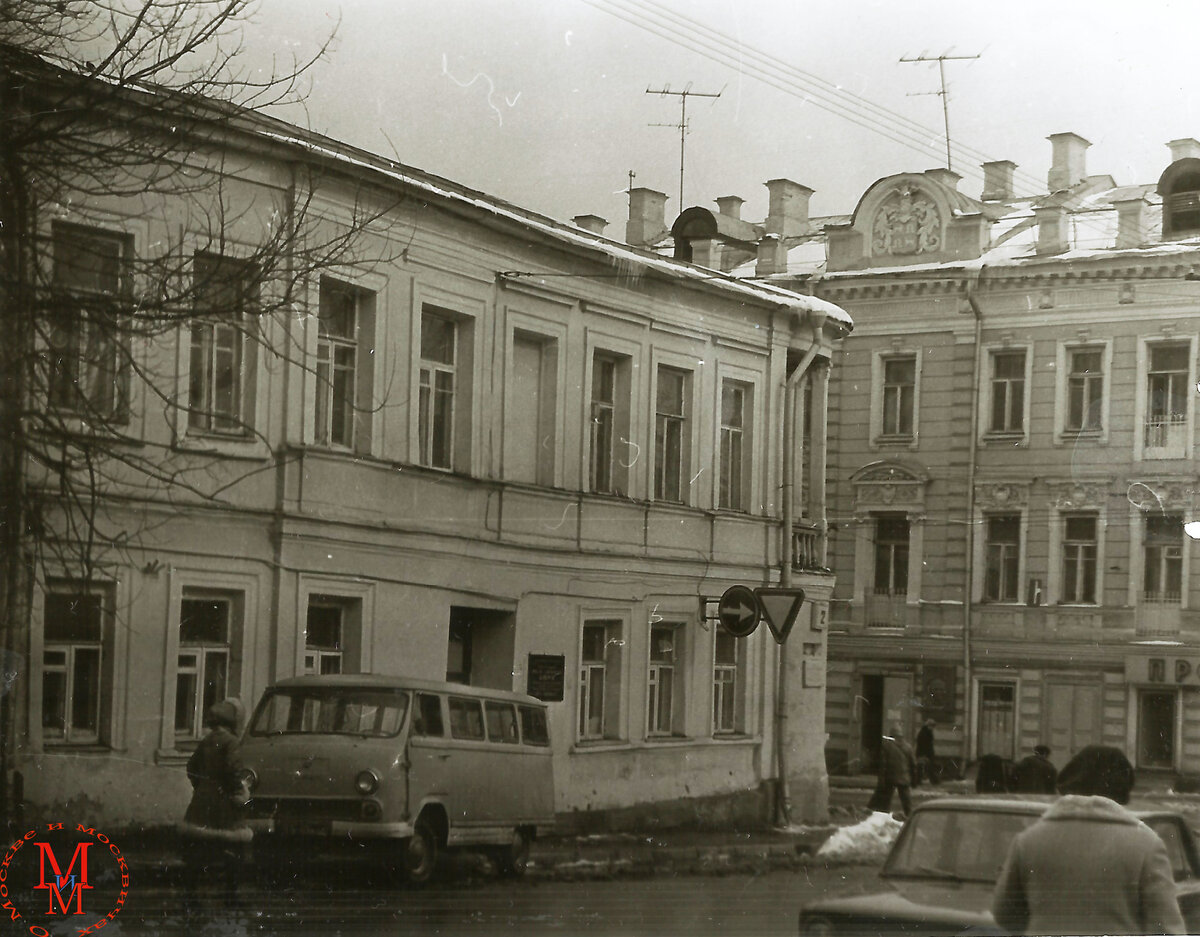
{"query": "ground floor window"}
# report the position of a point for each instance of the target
(76, 658)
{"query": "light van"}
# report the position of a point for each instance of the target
(428, 765)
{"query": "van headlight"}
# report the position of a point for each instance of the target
(247, 779)
(366, 782)
(816, 925)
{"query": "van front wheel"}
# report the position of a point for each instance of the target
(513, 859)
(420, 853)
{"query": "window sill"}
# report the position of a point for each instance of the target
(733, 738)
(175, 756)
(59, 747)
(601, 745)
(668, 739)
(1017, 438)
(908, 439)
(243, 447)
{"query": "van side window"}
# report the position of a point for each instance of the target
(466, 718)
(501, 722)
(533, 726)
(428, 719)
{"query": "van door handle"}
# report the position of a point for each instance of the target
(444, 756)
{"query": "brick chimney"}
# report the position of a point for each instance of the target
(772, 256)
(947, 177)
(731, 206)
(787, 212)
(1068, 160)
(647, 216)
(1052, 229)
(1131, 221)
(593, 223)
(998, 180)
(1184, 148)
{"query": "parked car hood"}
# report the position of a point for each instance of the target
(958, 906)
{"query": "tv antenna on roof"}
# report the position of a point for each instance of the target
(943, 94)
(683, 124)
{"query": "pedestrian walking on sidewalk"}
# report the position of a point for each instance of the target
(1088, 866)
(1036, 773)
(897, 768)
(926, 759)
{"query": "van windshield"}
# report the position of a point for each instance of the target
(360, 711)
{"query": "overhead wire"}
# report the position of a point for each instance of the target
(723, 49)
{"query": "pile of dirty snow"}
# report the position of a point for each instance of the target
(868, 841)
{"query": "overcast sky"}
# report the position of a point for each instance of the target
(544, 103)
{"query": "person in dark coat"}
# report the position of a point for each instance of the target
(926, 760)
(212, 769)
(991, 778)
(1036, 773)
(897, 768)
(1087, 865)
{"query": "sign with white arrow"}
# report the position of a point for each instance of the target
(780, 608)
(738, 611)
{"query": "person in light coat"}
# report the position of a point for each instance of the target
(1088, 866)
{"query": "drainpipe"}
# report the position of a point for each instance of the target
(972, 460)
(783, 803)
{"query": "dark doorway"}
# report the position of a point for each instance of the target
(1156, 730)
(871, 720)
(480, 647)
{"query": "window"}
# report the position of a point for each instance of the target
(439, 340)
(337, 364)
(427, 716)
(891, 555)
(604, 422)
(1008, 392)
(73, 665)
(670, 434)
(728, 714)
(85, 374)
(323, 638)
(1167, 395)
(501, 722)
(466, 718)
(1079, 559)
(899, 395)
(534, 728)
(664, 708)
(600, 679)
(205, 673)
(1163, 555)
(530, 443)
(734, 488)
(218, 397)
(1085, 390)
(1002, 568)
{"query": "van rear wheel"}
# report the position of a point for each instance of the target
(513, 859)
(421, 853)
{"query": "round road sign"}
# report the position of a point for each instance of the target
(738, 611)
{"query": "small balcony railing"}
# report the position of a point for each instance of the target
(1159, 613)
(886, 609)
(808, 550)
(1166, 431)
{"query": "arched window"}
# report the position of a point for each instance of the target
(1180, 189)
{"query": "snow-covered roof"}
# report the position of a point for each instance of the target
(615, 251)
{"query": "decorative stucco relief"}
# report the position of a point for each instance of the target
(990, 496)
(1078, 495)
(907, 222)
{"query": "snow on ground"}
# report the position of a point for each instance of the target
(867, 841)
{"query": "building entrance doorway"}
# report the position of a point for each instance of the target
(885, 699)
(480, 647)
(1156, 729)
(997, 719)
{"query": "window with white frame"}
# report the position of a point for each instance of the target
(436, 403)
(891, 554)
(1007, 389)
(728, 712)
(219, 392)
(86, 375)
(899, 393)
(664, 703)
(608, 471)
(531, 444)
(206, 669)
(1079, 559)
(336, 409)
(323, 636)
(736, 449)
(1085, 389)
(1167, 393)
(1162, 552)
(1002, 558)
(75, 629)
(601, 647)
(671, 438)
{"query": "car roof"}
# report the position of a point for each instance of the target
(378, 680)
(1032, 804)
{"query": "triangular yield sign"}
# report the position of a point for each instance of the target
(780, 608)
